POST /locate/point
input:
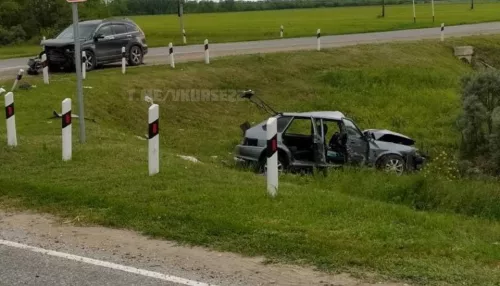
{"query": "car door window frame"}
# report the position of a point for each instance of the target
(125, 31)
(354, 127)
(285, 131)
(105, 26)
(318, 141)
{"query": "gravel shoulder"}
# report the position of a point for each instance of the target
(132, 249)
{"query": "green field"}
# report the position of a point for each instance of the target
(421, 228)
(245, 26)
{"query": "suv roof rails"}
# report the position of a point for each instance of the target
(117, 18)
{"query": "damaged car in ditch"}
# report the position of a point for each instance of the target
(326, 139)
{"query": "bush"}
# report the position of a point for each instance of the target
(13, 35)
(480, 121)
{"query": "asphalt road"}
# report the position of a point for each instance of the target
(196, 52)
(23, 267)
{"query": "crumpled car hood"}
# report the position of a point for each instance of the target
(391, 137)
(57, 42)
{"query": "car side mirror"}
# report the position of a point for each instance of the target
(98, 36)
(368, 135)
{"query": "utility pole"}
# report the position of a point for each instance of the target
(383, 8)
(472, 4)
(78, 67)
(180, 13)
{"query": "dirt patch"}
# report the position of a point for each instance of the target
(130, 248)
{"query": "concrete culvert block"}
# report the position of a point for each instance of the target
(464, 53)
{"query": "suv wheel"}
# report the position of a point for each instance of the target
(135, 56)
(91, 62)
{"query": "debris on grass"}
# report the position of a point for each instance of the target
(189, 158)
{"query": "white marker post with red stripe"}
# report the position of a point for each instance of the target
(124, 62)
(282, 29)
(171, 53)
(414, 13)
(154, 139)
(272, 156)
(442, 32)
(67, 140)
(11, 120)
(45, 69)
(184, 40)
(318, 36)
(207, 53)
(84, 65)
(18, 78)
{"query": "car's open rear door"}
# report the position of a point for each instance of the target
(319, 143)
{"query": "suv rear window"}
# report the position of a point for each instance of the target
(132, 28)
(119, 29)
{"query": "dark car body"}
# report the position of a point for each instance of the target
(102, 41)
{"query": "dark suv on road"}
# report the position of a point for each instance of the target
(102, 41)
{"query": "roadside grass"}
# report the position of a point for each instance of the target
(19, 51)
(259, 25)
(424, 230)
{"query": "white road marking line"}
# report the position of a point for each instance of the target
(101, 263)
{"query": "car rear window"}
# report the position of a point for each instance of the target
(119, 29)
(282, 123)
(132, 28)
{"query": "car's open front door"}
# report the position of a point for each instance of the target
(318, 142)
(357, 146)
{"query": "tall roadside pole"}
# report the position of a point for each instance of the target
(78, 67)
(180, 13)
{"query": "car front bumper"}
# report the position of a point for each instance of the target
(419, 161)
(60, 56)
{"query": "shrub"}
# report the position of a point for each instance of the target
(13, 35)
(480, 121)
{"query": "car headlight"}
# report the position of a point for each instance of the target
(419, 157)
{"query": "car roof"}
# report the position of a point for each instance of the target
(332, 115)
(91, 22)
(116, 19)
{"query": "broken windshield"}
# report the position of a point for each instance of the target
(85, 31)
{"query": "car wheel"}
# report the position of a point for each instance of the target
(91, 62)
(135, 56)
(392, 164)
(282, 165)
